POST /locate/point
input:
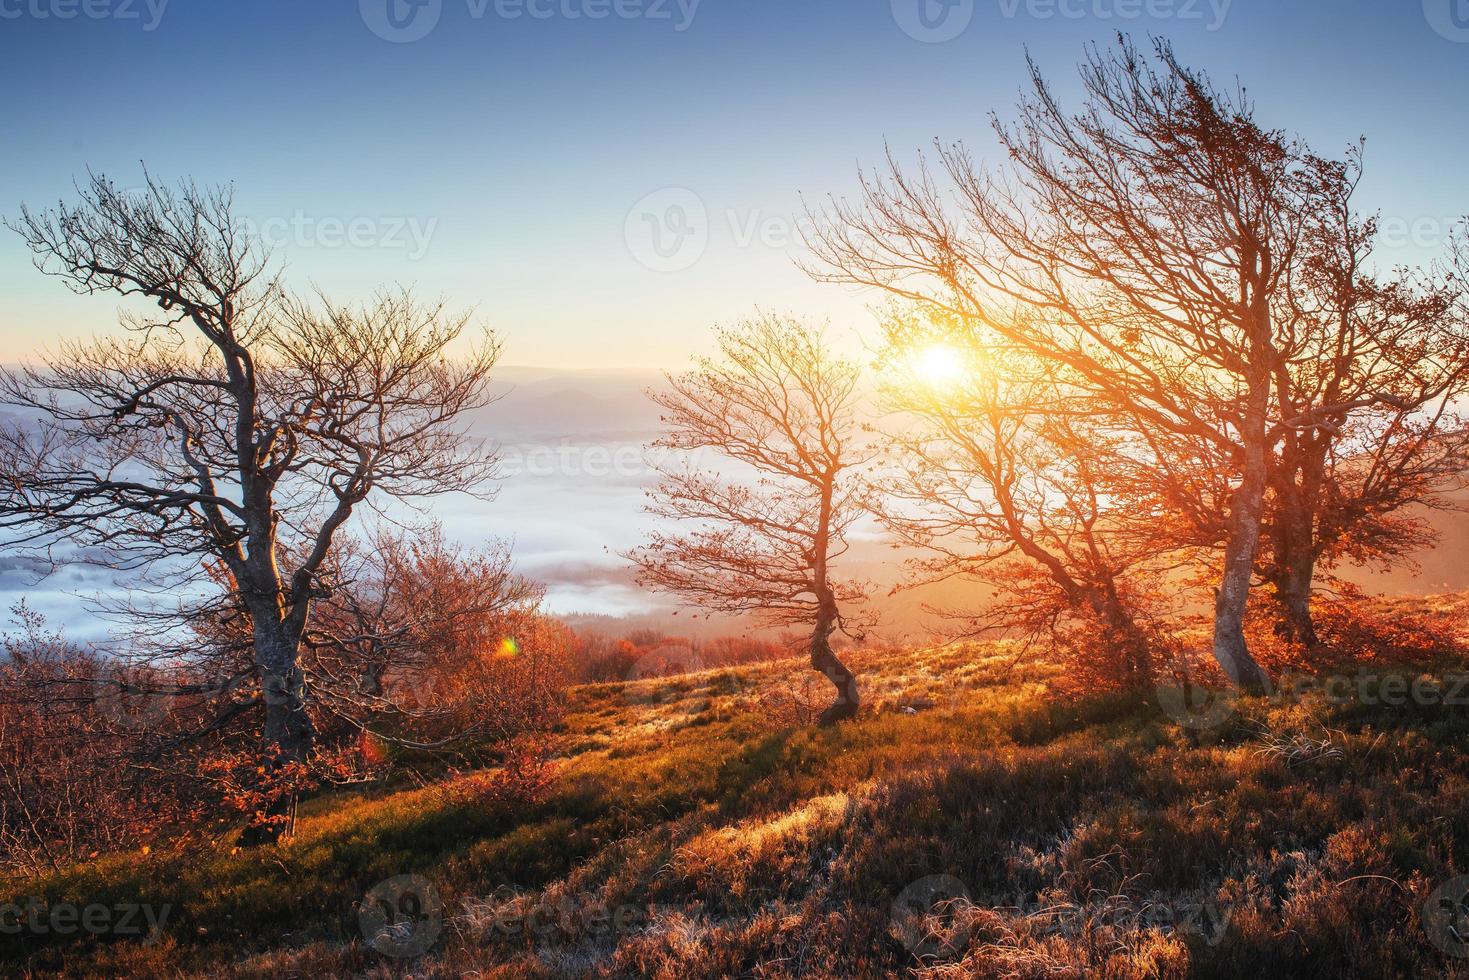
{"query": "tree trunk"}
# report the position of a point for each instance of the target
(847, 701)
(822, 659)
(1293, 569)
(1293, 580)
(1246, 514)
(1247, 503)
(1233, 596)
(288, 732)
(288, 729)
(1135, 652)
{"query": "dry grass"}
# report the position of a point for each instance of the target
(970, 823)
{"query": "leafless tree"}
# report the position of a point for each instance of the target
(779, 410)
(1149, 240)
(1369, 385)
(1005, 473)
(236, 425)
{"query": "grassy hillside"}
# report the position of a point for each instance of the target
(971, 823)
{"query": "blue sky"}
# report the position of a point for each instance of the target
(500, 160)
(514, 163)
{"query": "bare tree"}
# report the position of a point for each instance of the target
(1007, 474)
(1369, 385)
(779, 410)
(240, 426)
(1148, 238)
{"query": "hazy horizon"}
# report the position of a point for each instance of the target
(570, 500)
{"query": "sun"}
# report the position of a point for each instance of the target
(939, 365)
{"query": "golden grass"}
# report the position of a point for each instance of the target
(688, 832)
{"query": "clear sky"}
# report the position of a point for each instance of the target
(504, 158)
